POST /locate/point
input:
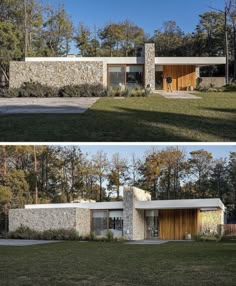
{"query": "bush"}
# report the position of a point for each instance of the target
(69, 91)
(92, 236)
(58, 234)
(36, 89)
(204, 237)
(110, 236)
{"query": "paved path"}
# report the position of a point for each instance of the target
(23, 242)
(45, 105)
(147, 242)
(178, 95)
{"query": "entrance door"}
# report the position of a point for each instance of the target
(151, 224)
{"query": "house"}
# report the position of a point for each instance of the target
(147, 71)
(137, 217)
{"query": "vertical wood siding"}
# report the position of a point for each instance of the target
(173, 224)
(183, 76)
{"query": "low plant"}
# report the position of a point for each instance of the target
(50, 234)
(207, 237)
(92, 236)
(109, 235)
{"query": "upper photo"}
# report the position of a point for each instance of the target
(92, 71)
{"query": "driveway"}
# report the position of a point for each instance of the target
(178, 95)
(45, 105)
(23, 242)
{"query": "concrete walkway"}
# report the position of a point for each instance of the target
(178, 95)
(23, 242)
(45, 105)
(147, 242)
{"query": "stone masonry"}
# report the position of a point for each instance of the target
(209, 221)
(133, 218)
(56, 74)
(150, 65)
(45, 219)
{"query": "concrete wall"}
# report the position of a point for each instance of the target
(209, 221)
(133, 218)
(149, 62)
(215, 81)
(56, 74)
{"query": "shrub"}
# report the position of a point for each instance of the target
(92, 236)
(36, 89)
(109, 235)
(69, 91)
(58, 234)
(204, 237)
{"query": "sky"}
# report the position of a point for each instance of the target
(148, 14)
(126, 151)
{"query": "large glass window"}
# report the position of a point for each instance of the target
(99, 223)
(125, 75)
(116, 76)
(103, 220)
(134, 75)
(152, 224)
(116, 223)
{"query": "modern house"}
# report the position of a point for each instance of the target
(137, 217)
(147, 71)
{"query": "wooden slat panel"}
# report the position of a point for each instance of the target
(183, 76)
(173, 224)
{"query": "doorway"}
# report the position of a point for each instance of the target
(151, 224)
(159, 77)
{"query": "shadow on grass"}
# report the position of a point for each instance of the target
(122, 125)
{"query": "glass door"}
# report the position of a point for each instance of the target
(151, 224)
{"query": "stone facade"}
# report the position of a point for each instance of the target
(56, 74)
(83, 221)
(133, 218)
(45, 219)
(42, 219)
(150, 65)
(209, 221)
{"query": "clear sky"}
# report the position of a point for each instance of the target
(148, 14)
(139, 151)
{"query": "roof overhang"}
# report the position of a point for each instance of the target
(198, 61)
(181, 204)
(92, 206)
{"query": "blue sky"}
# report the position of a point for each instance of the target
(126, 151)
(149, 14)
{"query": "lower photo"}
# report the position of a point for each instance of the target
(117, 214)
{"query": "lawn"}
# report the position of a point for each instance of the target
(154, 119)
(115, 264)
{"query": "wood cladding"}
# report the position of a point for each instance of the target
(183, 76)
(173, 224)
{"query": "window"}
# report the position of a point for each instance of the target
(99, 223)
(125, 75)
(116, 223)
(134, 75)
(116, 76)
(103, 220)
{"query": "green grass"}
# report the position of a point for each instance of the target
(212, 119)
(115, 264)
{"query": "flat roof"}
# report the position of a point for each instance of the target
(135, 60)
(95, 206)
(199, 61)
(205, 204)
(181, 204)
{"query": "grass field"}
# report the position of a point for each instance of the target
(75, 263)
(154, 119)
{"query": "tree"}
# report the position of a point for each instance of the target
(57, 32)
(82, 39)
(172, 171)
(219, 179)
(232, 177)
(101, 165)
(200, 166)
(151, 171)
(118, 173)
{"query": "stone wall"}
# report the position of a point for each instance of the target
(150, 65)
(209, 221)
(134, 219)
(83, 221)
(42, 219)
(56, 74)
